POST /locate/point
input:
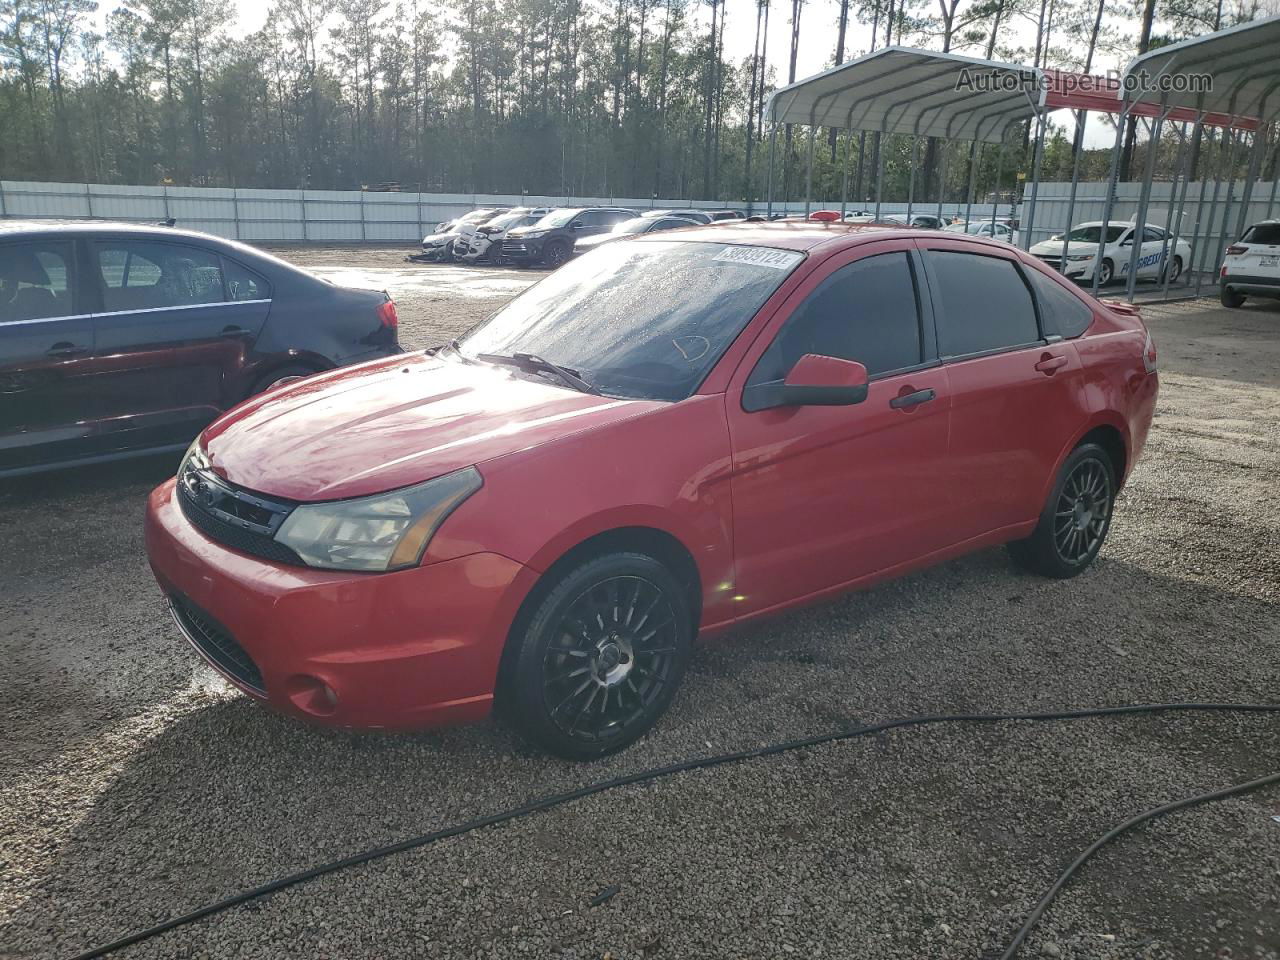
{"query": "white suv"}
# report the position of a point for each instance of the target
(1251, 266)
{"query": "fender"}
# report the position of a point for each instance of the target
(1103, 418)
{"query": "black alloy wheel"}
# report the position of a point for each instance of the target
(1074, 523)
(602, 656)
(555, 255)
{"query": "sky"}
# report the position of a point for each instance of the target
(818, 25)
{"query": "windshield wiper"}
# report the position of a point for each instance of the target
(536, 364)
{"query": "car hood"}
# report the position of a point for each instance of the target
(528, 231)
(395, 422)
(587, 243)
(1054, 247)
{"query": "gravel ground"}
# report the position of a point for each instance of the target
(135, 785)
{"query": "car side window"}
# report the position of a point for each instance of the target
(864, 311)
(590, 218)
(243, 283)
(37, 281)
(1061, 310)
(982, 303)
(670, 223)
(1152, 234)
(149, 275)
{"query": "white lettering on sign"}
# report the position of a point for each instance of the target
(760, 257)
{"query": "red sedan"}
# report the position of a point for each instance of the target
(667, 437)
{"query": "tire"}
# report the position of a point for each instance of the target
(555, 254)
(1074, 523)
(267, 381)
(1177, 271)
(1230, 298)
(600, 659)
(1107, 273)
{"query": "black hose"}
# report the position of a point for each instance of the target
(701, 763)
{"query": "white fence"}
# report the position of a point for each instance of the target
(289, 216)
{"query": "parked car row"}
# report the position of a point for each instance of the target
(528, 236)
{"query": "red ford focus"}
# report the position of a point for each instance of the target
(665, 438)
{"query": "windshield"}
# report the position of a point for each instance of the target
(1263, 233)
(642, 320)
(638, 225)
(1091, 233)
(558, 218)
(506, 220)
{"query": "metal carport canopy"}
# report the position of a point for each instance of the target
(919, 92)
(1242, 61)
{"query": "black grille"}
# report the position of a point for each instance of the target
(216, 643)
(235, 518)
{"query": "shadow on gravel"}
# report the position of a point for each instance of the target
(229, 795)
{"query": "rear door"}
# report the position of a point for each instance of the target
(1014, 387)
(48, 398)
(826, 495)
(174, 335)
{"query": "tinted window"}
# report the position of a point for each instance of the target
(670, 223)
(144, 275)
(984, 304)
(1152, 234)
(1063, 312)
(594, 218)
(243, 283)
(865, 311)
(1267, 233)
(35, 281)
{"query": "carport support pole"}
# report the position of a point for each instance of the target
(773, 144)
(1041, 123)
(911, 183)
(1077, 149)
(1144, 199)
(1275, 180)
(1109, 203)
(1255, 165)
(808, 177)
(844, 179)
(879, 176)
(995, 194)
(1170, 236)
(1231, 189)
(1225, 152)
(942, 174)
(1213, 210)
(973, 171)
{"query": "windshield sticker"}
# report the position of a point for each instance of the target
(760, 257)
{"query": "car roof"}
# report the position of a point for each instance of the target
(9, 228)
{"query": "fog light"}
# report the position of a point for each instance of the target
(311, 695)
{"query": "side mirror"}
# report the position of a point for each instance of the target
(577, 225)
(814, 381)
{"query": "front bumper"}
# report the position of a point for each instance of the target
(410, 649)
(522, 249)
(1078, 270)
(440, 252)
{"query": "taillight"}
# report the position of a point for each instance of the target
(387, 314)
(1235, 250)
(1149, 354)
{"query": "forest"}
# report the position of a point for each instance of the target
(629, 98)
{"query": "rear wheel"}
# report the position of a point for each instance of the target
(1075, 521)
(601, 657)
(1230, 298)
(280, 376)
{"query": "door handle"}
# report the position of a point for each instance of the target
(913, 399)
(65, 350)
(1049, 363)
(233, 331)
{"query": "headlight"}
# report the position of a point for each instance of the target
(532, 236)
(195, 458)
(1078, 258)
(389, 531)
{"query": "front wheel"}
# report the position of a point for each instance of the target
(555, 255)
(1106, 273)
(601, 657)
(1075, 521)
(1174, 271)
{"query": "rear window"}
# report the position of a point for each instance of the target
(1062, 311)
(985, 305)
(1264, 233)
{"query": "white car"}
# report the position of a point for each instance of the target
(439, 245)
(484, 243)
(1251, 266)
(995, 229)
(1117, 254)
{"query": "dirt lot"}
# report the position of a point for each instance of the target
(134, 784)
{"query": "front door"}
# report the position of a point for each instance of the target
(174, 334)
(47, 389)
(826, 495)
